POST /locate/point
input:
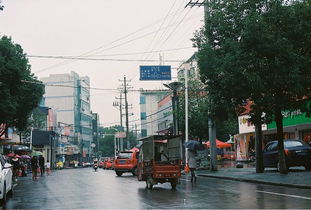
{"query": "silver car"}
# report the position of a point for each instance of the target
(6, 185)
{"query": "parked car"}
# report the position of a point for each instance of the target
(126, 162)
(6, 185)
(109, 163)
(297, 153)
(101, 164)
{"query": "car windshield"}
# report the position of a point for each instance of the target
(288, 144)
(124, 155)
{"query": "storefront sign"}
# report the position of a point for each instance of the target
(120, 135)
(292, 118)
(245, 126)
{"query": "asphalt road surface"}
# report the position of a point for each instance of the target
(84, 188)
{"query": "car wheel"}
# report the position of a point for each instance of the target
(174, 184)
(149, 183)
(11, 192)
(3, 200)
(119, 173)
(134, 171)
(308, 167)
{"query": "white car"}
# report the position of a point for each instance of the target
(6, 185)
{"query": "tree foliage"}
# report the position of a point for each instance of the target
(257, 50)
(198, 105)
(1, 6)
(20, 90)
(106, 140)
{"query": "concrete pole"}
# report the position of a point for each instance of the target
(186, 112)
(126, 115)
(115, 145)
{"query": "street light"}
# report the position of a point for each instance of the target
(174, 87)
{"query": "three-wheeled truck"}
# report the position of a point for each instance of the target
(159, 160)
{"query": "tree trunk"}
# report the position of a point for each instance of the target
(258, 141)
(20, 137)
(279, 124)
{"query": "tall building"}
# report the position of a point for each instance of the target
(191, 65)
(69, 96)
(95, 126)
(148, 111)
(165, 115)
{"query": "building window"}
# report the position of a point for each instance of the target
(143, 132)
(143, 116)
(142, 100)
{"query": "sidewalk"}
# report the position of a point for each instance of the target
(297, 177)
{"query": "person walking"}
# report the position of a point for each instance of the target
(34, 167)
(16, 165)
(41, 164)
(48, 167)
(192, 164)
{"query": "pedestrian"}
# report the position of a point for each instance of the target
(192, 164)
(41, 164)
(34, 167)
(15, 163)
(48, 167)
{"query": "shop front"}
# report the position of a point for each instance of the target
(296, 125)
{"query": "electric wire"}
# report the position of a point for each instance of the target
(164, 32)
(160, 26)
(123, 54)
(98, 59)
(176, 27)
(146, 117)
(98, 48)
(92, 88)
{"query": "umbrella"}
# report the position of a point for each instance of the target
(134, 149)
(13, 155)
(219, 144)
(36, 153)
(10, 155)
(194, 145)
(25, 157)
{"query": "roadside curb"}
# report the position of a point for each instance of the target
(256, 181)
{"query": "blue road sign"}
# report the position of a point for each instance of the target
(155, 73)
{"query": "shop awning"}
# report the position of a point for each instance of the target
(219, 144)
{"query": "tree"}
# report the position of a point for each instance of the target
(1, 6)
(106, 140)
(258, 50)
(198, 113)
(20, 90)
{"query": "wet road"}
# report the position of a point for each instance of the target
(84, 188)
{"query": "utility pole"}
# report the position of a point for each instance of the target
(211, 122)
(125, 91)
(120, 105)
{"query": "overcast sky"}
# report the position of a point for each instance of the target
(106, 29)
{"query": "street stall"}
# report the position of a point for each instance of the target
(220, 145)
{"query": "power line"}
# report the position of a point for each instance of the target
(93, 88)
(146, 116)
(160, 26)
(152, 114)
(97, 59)
(121, 54)
(164, 31)
(90, 51)
(174, 29)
